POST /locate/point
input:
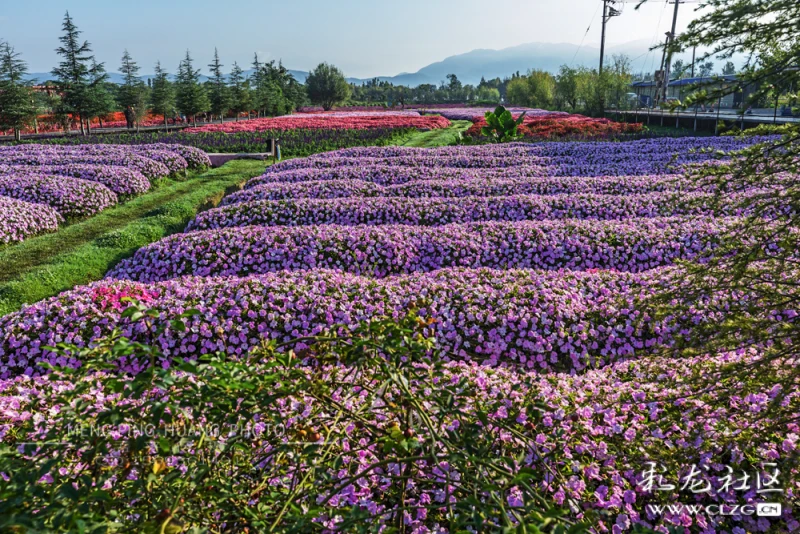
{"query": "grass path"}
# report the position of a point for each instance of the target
(439, 137)
(83, 252)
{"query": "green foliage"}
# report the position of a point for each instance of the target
(488, 94)
(384, 93)
(131, 236)
(162, 95)
(754, 269)
(575, 89)
(566, 88)
(219, 94)
(705, 69)
(274, 90)
(79, 78)
(536, 89)
(729, 69)
(99, 98)
(679, 69)
(175, 209)
(327, 86)
(501, 126)
(451, 135)
(240, 97)
(17, 104)
(191, 96)
(133, 93)
(230, 452)
(517, 92)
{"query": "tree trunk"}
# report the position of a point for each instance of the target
(83, 130)
(36, 125)
(17, 134)
(166, 124)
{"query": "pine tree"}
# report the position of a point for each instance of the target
(256, 84)
(162, 94)
(190, 95)
(72, 73)
(17, 104)
(133, 91)
(240, 91)
(99, 100)
(220, 99)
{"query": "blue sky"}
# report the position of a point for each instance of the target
(363, 37)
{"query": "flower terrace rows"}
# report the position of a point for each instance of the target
(330, 121)
(531, 267)
(51, 184)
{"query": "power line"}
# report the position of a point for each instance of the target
(584, 36)
(653, 41)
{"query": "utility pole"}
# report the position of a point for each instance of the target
(661, 83)
(608, 12)
(603, 35)
(670, 40)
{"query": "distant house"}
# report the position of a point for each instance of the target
(680, 89)
(48, 89)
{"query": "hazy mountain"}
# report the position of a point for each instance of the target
(471, 66)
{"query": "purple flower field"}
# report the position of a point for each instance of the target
(20, 219)
(435, 211)
(80, 181)
(380, 251)
(497, 315)
(71, 197)
(460, 185)
(120, 180)
(585, 420)
(533, 268)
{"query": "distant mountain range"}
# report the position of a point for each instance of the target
(471, 66)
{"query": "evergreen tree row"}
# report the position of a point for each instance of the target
(80, 90)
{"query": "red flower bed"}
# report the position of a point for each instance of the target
(330, 121)
(117, 120)
(558, 126)
(48, 123)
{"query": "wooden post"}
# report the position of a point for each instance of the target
(775, 114)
